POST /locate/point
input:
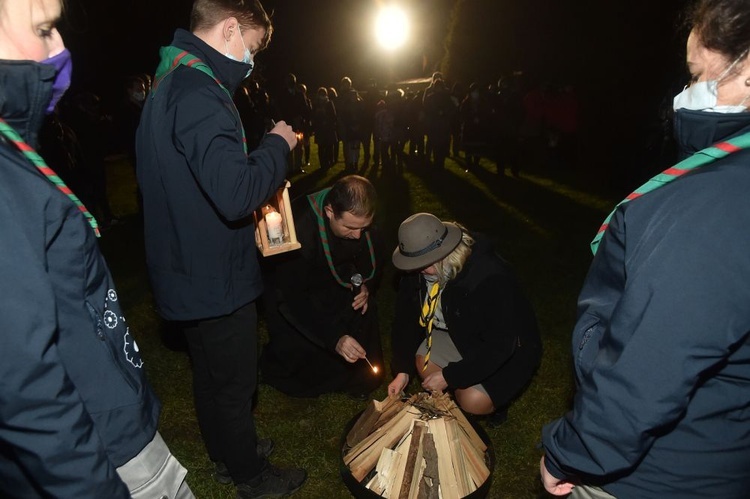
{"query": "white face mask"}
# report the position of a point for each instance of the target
(702, 96)
(247, 56)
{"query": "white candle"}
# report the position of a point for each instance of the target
(274, 227)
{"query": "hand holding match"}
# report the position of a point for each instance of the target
(374, 369)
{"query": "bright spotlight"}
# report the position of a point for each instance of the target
(391, 27)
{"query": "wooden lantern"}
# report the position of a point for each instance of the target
(274, 224)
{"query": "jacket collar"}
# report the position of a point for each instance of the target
(229, 72)
(697, 130)
(25, 91)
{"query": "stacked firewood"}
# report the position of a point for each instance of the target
(423, 447)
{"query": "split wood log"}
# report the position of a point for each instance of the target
(448, 484)
(429, 485)
(424, 448)
(419, 468)
(372, 415)
(463, 479)
(384, 437)
(388, 468)
(475, 460)
(411, 458)
(403, 449)
(468, 430)
(389, 411)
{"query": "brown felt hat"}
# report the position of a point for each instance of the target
(423, 240)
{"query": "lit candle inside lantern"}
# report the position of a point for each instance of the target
(274, 227)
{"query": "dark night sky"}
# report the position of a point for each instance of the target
(623, 56)
(319, 40)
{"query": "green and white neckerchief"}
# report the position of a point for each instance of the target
(14, 137)
(697, 160)
(316, 201)
(172, 57)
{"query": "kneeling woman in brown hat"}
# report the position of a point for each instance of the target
(461, 310)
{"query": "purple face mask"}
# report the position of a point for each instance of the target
(63, 70)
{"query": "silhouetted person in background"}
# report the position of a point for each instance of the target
(476, 122)
(350, 112)
(306, 127)
(333, 95)
(371, 96)
(439, 112)
(508, 118)
(324, 128)
(292, 107)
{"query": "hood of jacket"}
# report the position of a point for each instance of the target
(25, 92)
(697, 130)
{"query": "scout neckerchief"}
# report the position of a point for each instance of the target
(316, 201)
(171, 57)
(697, 160)
(427, 316)
(10, 133)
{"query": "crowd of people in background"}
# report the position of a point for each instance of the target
(509, 122)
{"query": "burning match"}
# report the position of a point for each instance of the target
(374, 369)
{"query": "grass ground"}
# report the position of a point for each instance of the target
(541, 222)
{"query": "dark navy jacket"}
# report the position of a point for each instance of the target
(74, 401)
(200, 189)
(662, 344)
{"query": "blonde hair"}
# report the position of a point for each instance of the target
(450, 266)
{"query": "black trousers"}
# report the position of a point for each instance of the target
(224, 354)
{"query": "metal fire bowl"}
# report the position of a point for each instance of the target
(359, 491)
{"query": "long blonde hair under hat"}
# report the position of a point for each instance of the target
(450, 266)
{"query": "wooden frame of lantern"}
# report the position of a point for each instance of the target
(274, 224)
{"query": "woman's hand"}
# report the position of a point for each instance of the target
(350, 349)
(435, 381)
(360, 301)
(554, 485)
(398, 384)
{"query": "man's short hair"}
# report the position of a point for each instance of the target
(208, 13)
(354, 194)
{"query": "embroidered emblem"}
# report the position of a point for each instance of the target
(132, 352)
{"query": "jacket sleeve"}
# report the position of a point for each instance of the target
(207, 132)
(679, 317)
(43, 423)
(497, 320)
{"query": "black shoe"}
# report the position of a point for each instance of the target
(272, 482)
(221, 474)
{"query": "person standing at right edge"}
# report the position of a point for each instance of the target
(200, 187)
(661, 349)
